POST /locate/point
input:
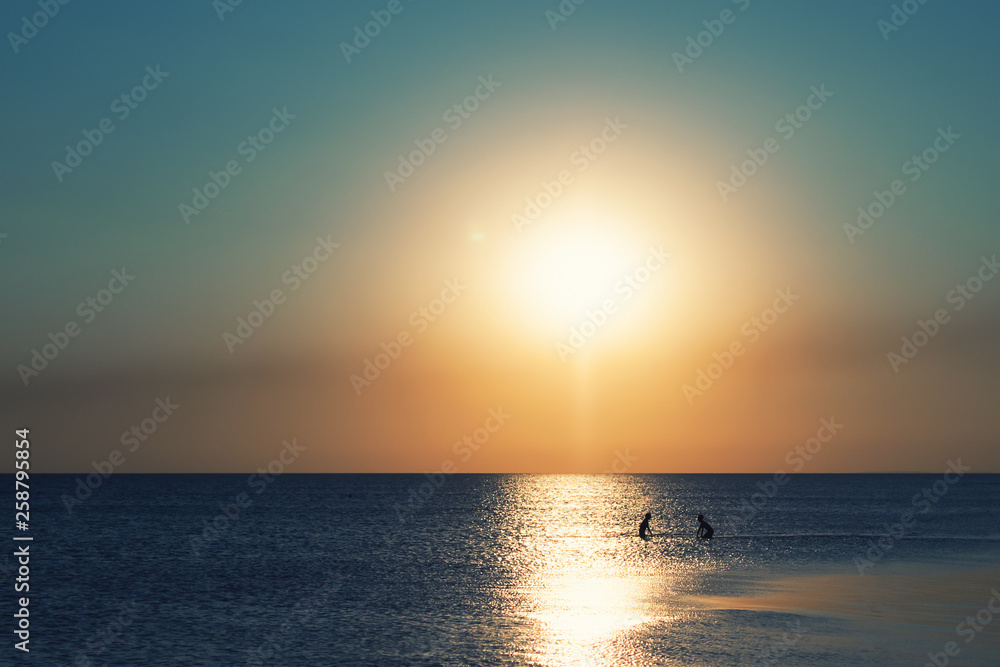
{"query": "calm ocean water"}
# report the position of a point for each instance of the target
(511, 570)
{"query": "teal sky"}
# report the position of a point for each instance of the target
(324, 175)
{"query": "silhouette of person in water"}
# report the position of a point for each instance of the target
(644, 527)
(705, 531)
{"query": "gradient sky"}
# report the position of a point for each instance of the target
(495, 345)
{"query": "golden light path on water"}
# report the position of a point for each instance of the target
(575, 585)
(579, 612)
(588, 589)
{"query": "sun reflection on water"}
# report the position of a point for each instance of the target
(580, 615)
(583, 591)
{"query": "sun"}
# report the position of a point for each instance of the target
(573, 273)
(564, 269)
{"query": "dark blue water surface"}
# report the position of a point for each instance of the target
(510, 570)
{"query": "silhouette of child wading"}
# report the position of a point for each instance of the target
(644, 527)
(704, 530)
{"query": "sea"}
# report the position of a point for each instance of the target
(510, 569)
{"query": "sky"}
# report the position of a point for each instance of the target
(727, 236)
